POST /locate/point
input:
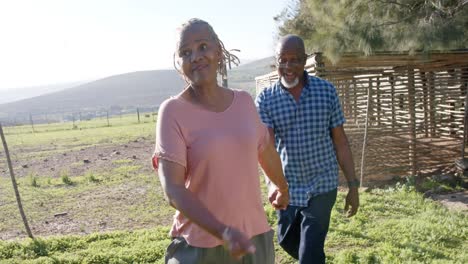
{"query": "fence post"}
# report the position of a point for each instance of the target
(32, 123)
(412, 121)
(138, 114)
(465, 118)
(392, 92)
(107, 115)
(364, 143)
(432, 103)
(15, 186)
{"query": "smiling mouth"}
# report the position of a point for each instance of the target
(289, 75)
(199, 68)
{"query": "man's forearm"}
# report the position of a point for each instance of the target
(345, 159)
(344, 155)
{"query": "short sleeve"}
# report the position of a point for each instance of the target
(337, 116)
(170, 143)
(262, 109)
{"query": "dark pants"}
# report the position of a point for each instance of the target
(180, 252)
(302, 230)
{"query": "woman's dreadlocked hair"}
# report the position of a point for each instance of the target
(227, 58)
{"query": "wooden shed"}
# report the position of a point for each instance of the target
(405, 113)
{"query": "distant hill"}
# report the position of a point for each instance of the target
(121, 93)
(16, 94)
(243, 77)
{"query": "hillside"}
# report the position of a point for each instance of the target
(124, 91)
(16, 94)
(120, 93)
(243, 77)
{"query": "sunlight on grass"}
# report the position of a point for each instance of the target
(392, 226)
(61, 136)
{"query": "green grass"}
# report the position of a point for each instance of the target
(143, 246)
(393, 226)
(61, 136)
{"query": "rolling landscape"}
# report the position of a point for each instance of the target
(118, 94)
(90, 196)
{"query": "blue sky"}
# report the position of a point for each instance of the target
(55, 41)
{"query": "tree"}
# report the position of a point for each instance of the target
(337, 26)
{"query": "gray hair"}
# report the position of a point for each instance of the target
(226, 57)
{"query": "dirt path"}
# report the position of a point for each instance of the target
(454, 201)
(78, 162)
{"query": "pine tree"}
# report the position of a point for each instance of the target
(366, 26)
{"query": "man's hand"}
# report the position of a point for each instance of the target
(237, 243)
(352, 202)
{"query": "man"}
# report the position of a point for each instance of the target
(305, 120)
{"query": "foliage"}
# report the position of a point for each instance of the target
(366, 26)
(32, 180)
(64, 175)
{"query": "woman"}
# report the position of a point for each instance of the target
(208, 142)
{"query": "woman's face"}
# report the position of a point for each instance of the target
(198, 54)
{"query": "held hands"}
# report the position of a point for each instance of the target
(278, 199)
(237, 243)
(352, 202)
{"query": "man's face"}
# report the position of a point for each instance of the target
(290, 61)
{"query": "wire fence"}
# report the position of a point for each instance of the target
(48, 122)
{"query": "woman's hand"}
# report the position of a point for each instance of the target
(237, 243)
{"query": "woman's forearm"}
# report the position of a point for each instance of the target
(189, 205)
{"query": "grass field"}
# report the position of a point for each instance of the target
(84, 133)
(118, 215)
(393, 226)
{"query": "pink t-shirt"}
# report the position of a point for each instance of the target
(220, 154)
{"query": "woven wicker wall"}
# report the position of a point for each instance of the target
(405, 113)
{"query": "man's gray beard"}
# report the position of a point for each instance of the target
(289, 85)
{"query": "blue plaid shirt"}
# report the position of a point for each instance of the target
(303, 136)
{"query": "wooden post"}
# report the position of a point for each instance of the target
(465, 119)
(107, 114)
(425, 103)
(465, 122)
(355, 101)
(379, 108)
(412, 122)
(364, 142)
(392, 91)
(15, 186)
(347, 100)
(371, 104)
(32, 123)
(432, 99)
